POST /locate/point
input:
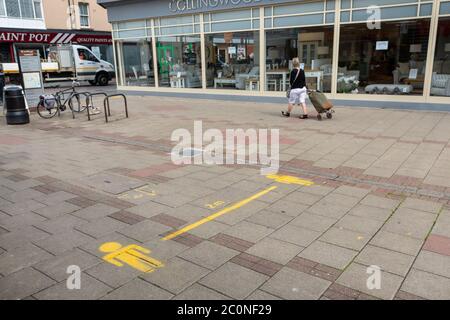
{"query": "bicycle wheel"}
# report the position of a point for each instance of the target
(75, 103)
(46, 112)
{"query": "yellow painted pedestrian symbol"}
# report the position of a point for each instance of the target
(133, 255)
(289, 180)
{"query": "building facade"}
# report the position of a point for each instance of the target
(37, 24)
(384, 50)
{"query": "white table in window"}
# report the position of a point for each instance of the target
(285, 74)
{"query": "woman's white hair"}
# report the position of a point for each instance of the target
(296, 62)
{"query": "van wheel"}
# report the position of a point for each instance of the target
(92, 82)
(102, 79)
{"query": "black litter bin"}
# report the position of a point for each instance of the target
(15, 105)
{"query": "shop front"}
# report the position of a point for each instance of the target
(388, 50)
(12, 40)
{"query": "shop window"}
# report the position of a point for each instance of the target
(426, 9)
(179, 61)
(2, 8)
(367, 3)
(445, 8)
(236, 20)
(329, 18)
(183, 25)
(386, 13)
(298, 21)
(140, 24)
(231, 25)
(299, 8)
(84, 14)
(232, 60)
(231, 15)
(131, 33)
(313, 46)
(346, 4)
(176, 30)
(389, 60)
(440, 82)
(136, 65)
(331, 5)
(301, 14)
(178, 20)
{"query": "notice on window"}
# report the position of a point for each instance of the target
(231, 50)
(32, 80)
(382, 45)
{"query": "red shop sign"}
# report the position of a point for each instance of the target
(53, 37)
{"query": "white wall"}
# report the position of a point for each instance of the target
(13, 23)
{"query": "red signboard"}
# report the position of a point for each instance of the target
(53, 37)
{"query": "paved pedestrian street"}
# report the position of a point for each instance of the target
(360, 208)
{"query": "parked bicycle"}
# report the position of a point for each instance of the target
(54, 104)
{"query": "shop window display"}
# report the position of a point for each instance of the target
(389, 60)
(440, 81)
(232, 60)
(179, 61)
(137, 62)
(313, 46)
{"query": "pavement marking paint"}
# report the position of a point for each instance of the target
(137, 257)
(214, 205)
(219, 213)
(146, 190)
(128, 196)
(133, 255)
(289, 180)
(138, 193)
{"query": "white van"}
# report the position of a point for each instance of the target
(70, 62)
(75, 62)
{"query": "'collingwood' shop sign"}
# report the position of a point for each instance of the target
(181, 6)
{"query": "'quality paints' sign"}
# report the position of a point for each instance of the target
(181, 6)
(53, 37)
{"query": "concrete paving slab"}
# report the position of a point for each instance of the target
(234, 281)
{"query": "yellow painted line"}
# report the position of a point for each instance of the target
(289, 180)
(220, 213)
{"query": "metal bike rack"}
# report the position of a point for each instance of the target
(89, 99)
(106, 104)
(78, 96)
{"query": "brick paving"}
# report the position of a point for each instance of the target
(381, 197)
